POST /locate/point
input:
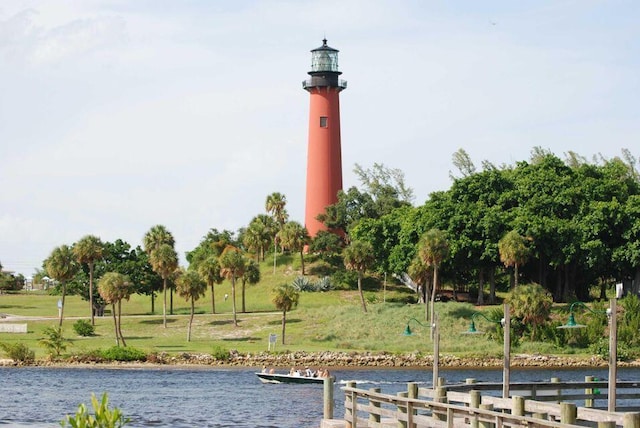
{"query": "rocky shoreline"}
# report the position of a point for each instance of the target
(337, 360)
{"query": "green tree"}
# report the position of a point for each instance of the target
(285, 297)
(259, 234)
(251, 275)
(276, 205)
(433, 249)
(156, 237)
(113, 288)
(88, 250)
(209, 270)
(159, 245)
(232, 264)
(358, 256)
(386, 186)
(190, 286)
(213, 243)
(513, 251)
(61, 266)
(295, 237)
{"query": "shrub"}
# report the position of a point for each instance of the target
(103, 418)
(629, 324)
(531, 305)
(84, 328)
(55, 343)
(116, 353)
(220, 353)
(324, 284)
(302, 283)
(18, 352)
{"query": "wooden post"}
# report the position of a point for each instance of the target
(588, 402)
(436, 351)
(328, 398)
(412, 392)
(374, 418)
(469, 381)
(568, 413)
(558, 391)
(474, 402)
(506, 370)
(517, 408)
(631, 420)
(486, 424)
(606, 424)
(440, 396)
(613, 356)
(402, 409)
(350, 413)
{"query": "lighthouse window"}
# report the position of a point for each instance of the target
(323, 121)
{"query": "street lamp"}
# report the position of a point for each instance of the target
(613, 345)
(436, 345)
(506, 326)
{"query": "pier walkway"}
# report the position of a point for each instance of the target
(478, 405)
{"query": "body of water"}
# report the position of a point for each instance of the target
(208, 397)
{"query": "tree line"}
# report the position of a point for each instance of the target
(568, 225)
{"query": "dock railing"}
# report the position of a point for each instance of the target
(471, 405)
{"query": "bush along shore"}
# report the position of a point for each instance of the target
(322, 359)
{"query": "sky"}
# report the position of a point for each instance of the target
(117, 115)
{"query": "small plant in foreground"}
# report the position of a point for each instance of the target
(103, 418)
(18, 352)
(84, 328)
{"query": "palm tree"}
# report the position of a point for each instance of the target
(113, 288)
(294, 237)
(155, 237)
(232, 264)
(88, 250)
(209, 271)
(191, 286)
(251, 275)
(61, 266)
(285, 297)
(358, 256)
(164, 261)
(433, 249)
(275, 205)
(513, 251)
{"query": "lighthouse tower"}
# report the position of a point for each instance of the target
(324, 157)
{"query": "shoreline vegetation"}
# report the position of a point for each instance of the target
(351, 360)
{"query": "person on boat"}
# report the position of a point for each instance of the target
(308, 372)
(264, 369)
(272, 370)
(292, 372)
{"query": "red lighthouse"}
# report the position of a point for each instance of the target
(324, 157)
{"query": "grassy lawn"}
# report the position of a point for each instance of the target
(323, 321)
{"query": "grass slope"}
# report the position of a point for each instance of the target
(328, 321)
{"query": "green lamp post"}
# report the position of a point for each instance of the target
(613, 345)
(506, 326)
(436, 345)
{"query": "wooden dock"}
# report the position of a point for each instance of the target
(476, 405)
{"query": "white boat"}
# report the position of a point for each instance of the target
(285, 378)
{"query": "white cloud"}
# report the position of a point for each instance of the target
(119, 115)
